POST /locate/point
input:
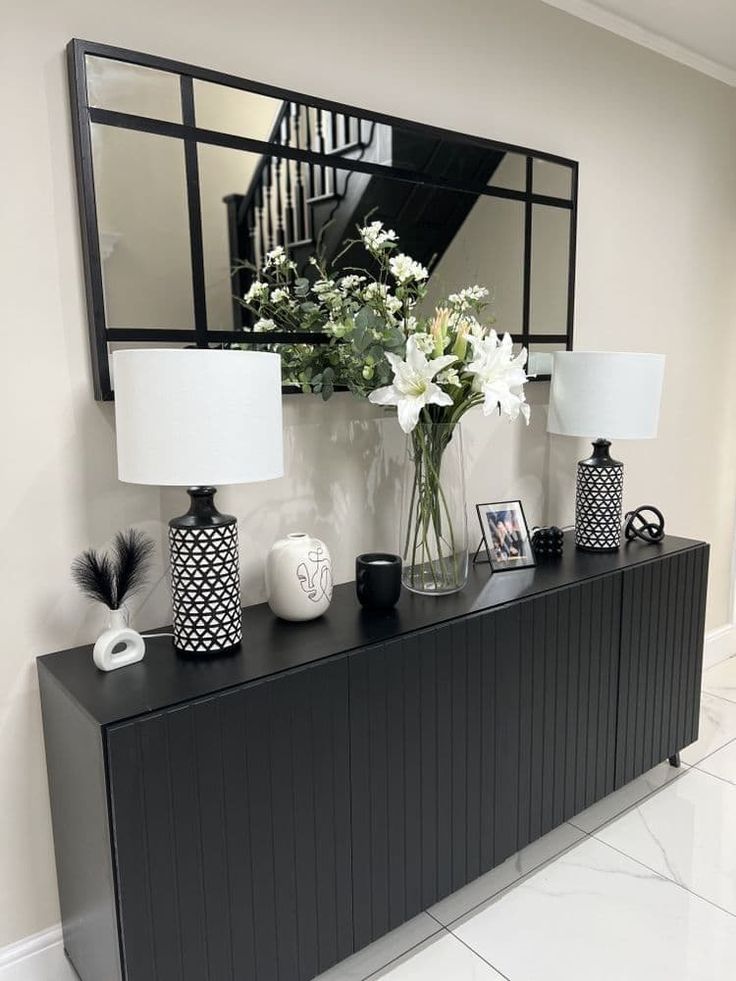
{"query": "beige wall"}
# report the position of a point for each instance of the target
(657, 150)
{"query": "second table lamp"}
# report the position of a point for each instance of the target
(604, 396)
(197, 419)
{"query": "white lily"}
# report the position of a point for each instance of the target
(413, 386)
(499, 376)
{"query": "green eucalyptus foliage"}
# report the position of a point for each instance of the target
(365, 315)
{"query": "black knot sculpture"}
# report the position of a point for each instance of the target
(547, 542)
(645, 524)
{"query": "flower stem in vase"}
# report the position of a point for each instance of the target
(435, 531)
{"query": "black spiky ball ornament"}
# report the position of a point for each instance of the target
(547, 543)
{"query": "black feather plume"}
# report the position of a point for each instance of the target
(132, 552)
(113, 579)
(95, 576)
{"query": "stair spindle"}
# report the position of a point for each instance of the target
(250, 224)
(309, 170)
(321, 148)
(268, 192)
(259, 252)
(289, 222)
(299, 223)
(279, 181)
(285, 189)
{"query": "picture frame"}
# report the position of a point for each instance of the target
(505, 536)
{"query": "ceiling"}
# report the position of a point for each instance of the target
(698, 33)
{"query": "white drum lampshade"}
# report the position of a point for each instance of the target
(608, 395)
(196, 419)
(604, 396)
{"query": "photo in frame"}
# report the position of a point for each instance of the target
(505, 536)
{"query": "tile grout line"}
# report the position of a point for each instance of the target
(664, 878)
(686, 767)
(707, 773)
(403, 953)
(713, 751)
(471, 949)
(714, 694)
(511, 885)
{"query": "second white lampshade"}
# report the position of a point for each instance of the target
(192, 418)
(605, 394)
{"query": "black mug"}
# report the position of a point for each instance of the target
(378, 580)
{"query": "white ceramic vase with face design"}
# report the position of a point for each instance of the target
(299, 577)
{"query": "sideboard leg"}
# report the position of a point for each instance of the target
(674, 760)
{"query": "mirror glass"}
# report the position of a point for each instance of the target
(540, 358)
(252, 203)
(351, 137)
(460, 206)
(441, 156)
(549, 270)
(236, 111)
(140, 194)
(225, 178)
(123, 87)
(511, 173)
(552, 179)
(487, 249)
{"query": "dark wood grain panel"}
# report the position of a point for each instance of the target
(269, 830)
(505, 656)
(160, 852)
(474, 760)
(131, 851)
(77, 778)
(467, 742)
(232, 821)
(661, 656)
(239, 845)
(186, 834)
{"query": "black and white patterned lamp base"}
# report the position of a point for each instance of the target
(205, 583)
(598, 502)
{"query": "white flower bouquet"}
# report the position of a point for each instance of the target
(432, 367)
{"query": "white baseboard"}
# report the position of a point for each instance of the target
(719, 645)
(39, 956)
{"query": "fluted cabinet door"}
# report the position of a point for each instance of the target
(473, 738)
(662, 634)
(231, 822)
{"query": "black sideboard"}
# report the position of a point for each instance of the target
(262, 816)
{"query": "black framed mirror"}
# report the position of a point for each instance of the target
(187, 177)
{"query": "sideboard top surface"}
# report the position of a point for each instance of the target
(163, 679)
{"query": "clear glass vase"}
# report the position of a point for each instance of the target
(434, 525)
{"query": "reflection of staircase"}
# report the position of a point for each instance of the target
(309, 207)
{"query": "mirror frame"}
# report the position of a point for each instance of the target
(83, 115)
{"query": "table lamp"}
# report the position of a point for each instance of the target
(604, 396)
(197, 419)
